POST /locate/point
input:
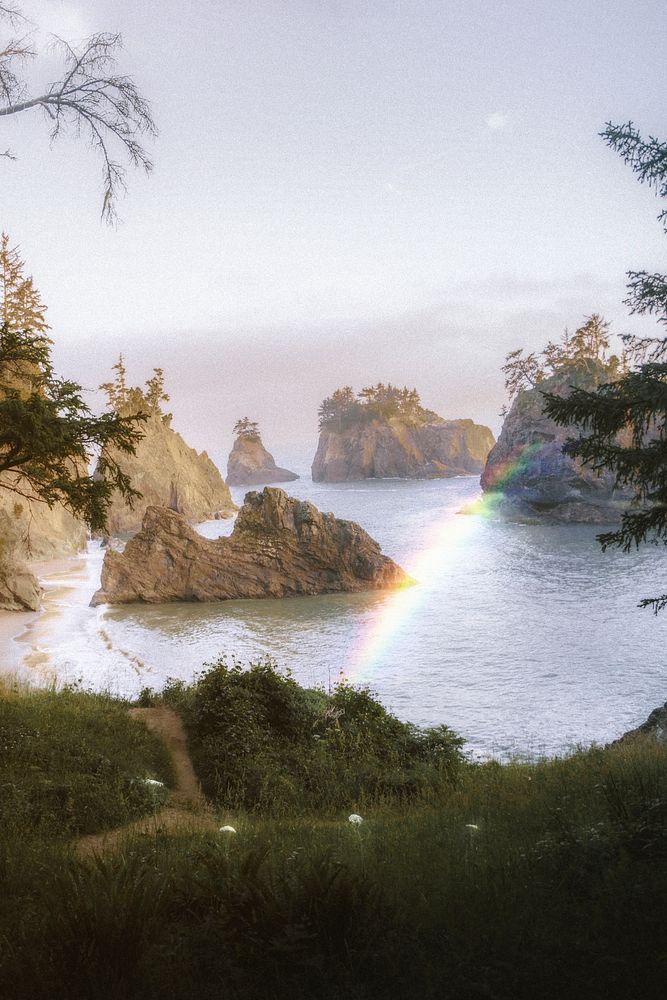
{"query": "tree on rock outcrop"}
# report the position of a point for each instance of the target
(89, 98)
(585, 349)
(48, 433)
(247, 429)
(124, 397)
(343, 408)
(635, 404)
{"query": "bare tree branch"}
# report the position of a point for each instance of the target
(88, 99)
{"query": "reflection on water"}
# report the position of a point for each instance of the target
(522, 637)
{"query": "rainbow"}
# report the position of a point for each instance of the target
(444, 543)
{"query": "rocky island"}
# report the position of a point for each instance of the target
(527, 474)
(385, 433)
(280, 547)
(164, 469)
(249, 463)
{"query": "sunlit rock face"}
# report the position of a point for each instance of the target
(397, 449)
(44, 532)
(527, 476)
(168, 473)
(19, 590)
(250, 464)
(280, 547)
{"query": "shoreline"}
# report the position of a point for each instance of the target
(19, 656)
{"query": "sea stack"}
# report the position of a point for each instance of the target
(164, 469)
(385, 433)
(249, 463)
(528, 476)
(280, 547)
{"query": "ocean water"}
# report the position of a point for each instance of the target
(526, 639)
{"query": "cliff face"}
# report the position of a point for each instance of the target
(250, 464)
(19, 590)
(280, 547)
(43, 532)
(394, 448)
(167, 472)
(528, 476)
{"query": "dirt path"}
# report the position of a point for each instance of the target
(187, 810)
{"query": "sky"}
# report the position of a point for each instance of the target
(344, 192)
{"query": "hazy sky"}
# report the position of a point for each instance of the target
(345, 191)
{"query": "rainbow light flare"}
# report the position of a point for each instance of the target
(444, 543)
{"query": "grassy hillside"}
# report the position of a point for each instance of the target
(485, 881)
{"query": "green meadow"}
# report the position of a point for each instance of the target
(463, 880)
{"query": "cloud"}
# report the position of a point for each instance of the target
(496, 121)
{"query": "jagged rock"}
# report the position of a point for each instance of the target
(654, 728)
(398, 449)
(167, 472)
(280, 547)
(250, 464)
(527, 476)
(19, 589)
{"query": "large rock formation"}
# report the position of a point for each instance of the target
(19, 589)
(250, 464)
(167, 472)
(654, 728)
(396, 448)
(44, 532)
(527, 476)
(30, 530)
(280, 547)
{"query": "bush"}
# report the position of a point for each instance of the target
(73, 763)
(261, 741)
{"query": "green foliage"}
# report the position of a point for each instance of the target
(377, 402)
(262, 742)
(247, 429)
(72, 763)
(48, 434)
(584, 350)
(624, 422)
(523, 880)
(21, 307)
(134, 399)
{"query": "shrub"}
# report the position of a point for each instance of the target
(261, 741)
(72, 763)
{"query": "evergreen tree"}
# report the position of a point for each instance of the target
(20, 305)
(48, 434)
(623, 423)
(247, 429)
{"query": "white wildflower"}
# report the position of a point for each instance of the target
(227, 829)
(153, 783)
(472, 826)
(355, 818)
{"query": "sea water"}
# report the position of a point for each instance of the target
(524, 638)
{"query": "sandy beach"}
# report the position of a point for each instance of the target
(24, 635)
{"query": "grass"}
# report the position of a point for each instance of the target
(71, 763)
(495, 882)
(261, 742)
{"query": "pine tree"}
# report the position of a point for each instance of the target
(20, 305)
(624, 423)
(117, 391)
(47, 432)
(247, 429)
